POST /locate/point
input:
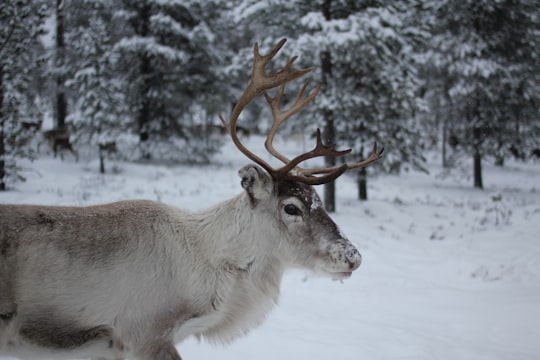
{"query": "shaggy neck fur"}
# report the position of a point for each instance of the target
(234, 233)
(249, 263)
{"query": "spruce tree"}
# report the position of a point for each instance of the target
(363, 53)
(20, 59)
(484, 57)
(166, 58)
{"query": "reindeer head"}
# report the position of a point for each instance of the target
(288, 190)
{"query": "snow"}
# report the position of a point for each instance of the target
(149, 44)
(449, 272)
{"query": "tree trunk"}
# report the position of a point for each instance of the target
(2, 134)
(362, 184)
(61, 103)
(101, 163)
(144, 111)
(329, 134)
(499, 152)
(144, 114)
(444, 141)
(329, 138)
(477, 158)
(478, 171)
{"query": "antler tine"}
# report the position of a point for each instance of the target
(260, 82)
(318, 180)
(306, 176)
(319, 150)
(280, 116)
(373, 157)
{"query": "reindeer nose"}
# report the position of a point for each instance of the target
(354, 259)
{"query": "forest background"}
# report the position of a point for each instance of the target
(146, 79)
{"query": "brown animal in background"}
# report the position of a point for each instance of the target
(59, 141)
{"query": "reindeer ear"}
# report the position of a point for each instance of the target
(257, 182)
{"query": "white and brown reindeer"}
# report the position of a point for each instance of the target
(134, 278)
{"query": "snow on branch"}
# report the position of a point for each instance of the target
(150, 46)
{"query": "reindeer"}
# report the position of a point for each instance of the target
(134, 278)
(58, 140)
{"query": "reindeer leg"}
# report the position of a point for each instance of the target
(159, 350)
(8, 306)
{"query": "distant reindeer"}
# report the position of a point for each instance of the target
(133, 278)
(32, 125)
(59, 141)
(106, 149)
(26, 132)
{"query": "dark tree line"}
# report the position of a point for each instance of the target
(461, 77)
(21, 60)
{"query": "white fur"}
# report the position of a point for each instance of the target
(154, 274)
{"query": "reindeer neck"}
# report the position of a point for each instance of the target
(235, 234)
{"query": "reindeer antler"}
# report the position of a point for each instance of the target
(259, 83)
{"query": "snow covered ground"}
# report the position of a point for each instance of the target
(449, 272)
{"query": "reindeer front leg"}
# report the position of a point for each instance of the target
(8, 306)
(158, 350)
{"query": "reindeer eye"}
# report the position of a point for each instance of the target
(292, 210)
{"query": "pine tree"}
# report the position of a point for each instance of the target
(374, 88)
(100, 114)
(60, 66)
(167, 59)
(484, 57)
(362, 51)
(22, 23)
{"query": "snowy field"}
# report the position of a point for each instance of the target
(449, 272)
